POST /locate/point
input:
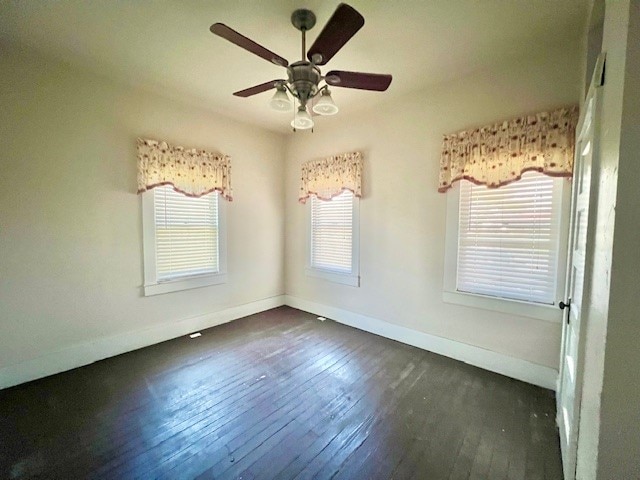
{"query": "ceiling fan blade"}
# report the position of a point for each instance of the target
(240, 40)
(363, 81)
(263, 87)
(343, 25)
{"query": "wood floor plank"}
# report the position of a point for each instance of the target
(399, 396)
(440, 383)
(330, 414)
(281, 410)
(123, 436)
(233, 407)
(340, 428)
(195, 413)
(333, 415)
(279, 395)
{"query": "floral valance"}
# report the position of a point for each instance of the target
(192, 172)
(329, 176)
(497, 154)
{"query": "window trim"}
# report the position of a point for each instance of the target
(151, 285)
(351, 279)
(549, 313)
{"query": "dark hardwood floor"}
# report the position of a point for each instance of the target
(279, 395)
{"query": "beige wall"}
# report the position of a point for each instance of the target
(70, 220)
(402, 216)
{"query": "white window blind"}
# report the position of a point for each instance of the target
(332, 233)
(186, 232)
(508, 239)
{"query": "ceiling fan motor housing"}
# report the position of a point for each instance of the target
(304, 78)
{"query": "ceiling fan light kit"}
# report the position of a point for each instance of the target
(281, 101)
(302, 120)
(325, 104)
(304, 76)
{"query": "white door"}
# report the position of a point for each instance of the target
(570, 380)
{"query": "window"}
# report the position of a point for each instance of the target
(333, 239)
(183, 240)
(507, 242)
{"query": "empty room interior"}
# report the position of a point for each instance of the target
(287, 239)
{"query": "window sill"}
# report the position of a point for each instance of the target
(184, 284)
(336, 277)
(547, 313)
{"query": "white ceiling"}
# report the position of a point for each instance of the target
(166, 45)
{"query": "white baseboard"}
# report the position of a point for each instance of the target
(89, 352)
(519, 369)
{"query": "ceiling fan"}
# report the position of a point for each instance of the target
(304, 77)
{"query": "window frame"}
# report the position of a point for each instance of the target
(151, 284)
(451, 295)
(352, 278)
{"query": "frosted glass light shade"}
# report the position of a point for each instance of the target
(302, 120)
(325, 105)
(280, 101)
